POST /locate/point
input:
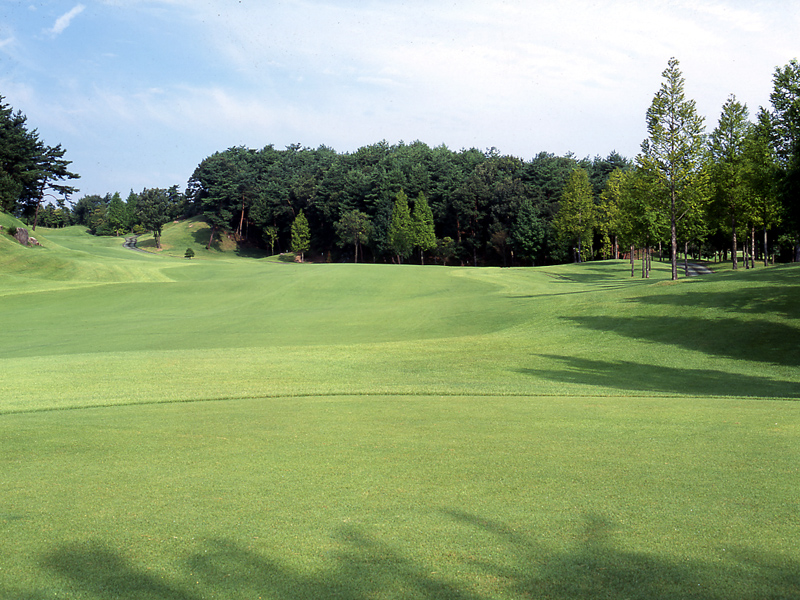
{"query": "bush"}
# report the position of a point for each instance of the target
(12, 231)
(189, 253)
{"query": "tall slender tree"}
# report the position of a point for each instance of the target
(730, 193)
(301, 235)
(424, 234)
(574, 222)
(674, 152)
(784, 125)
(401, 228)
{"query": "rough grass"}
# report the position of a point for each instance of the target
(247, 428)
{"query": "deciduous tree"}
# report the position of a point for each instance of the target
(355, 227)
(674, 152)
(575, 219)
(730, 194)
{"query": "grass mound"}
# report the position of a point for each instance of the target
(242, 428)
(194, 233)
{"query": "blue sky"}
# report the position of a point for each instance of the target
(140, 91)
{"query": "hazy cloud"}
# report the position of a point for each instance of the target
(64, 20)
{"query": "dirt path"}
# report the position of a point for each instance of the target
(130, 243)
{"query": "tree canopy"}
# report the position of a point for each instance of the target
(30, 170)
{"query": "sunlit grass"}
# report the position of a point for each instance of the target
(245, 428)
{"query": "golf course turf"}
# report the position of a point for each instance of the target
(241, 427)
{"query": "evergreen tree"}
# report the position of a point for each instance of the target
(301, 235)
(673, 154)
(401, 228)
(424, 234)
(116, 215)
(527, 231)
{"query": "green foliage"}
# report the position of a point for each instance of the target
(271, 233)
(29, 169)
(116, 215)
(155, 207)
(189, 253)
(355, 227)
(528, 231)
(731, 195)
(301, 235)
(673, 155)
(401, 228)
(422, 225)
(575, 220)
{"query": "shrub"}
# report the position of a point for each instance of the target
(189, 253)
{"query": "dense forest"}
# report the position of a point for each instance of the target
(732, 191)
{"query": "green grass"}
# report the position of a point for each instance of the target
(238, 428)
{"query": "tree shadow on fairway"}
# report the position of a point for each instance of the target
(360, 568)
(595, 568)
(101, 571)
(756, 340)
(646, 378)
(506, 563)
(782, 300)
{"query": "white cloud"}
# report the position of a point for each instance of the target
(64, 20)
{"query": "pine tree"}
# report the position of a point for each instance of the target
(424, 234)
(301, 235)
(401, 228)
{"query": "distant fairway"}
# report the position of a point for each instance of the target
(240, 427)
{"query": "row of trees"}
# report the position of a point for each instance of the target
(391, 202)
(690, 187)
(410, 201)
(148, 210)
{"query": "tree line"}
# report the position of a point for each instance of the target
(687, 190)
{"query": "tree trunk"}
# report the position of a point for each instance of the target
(644, 265)
(649, 261)
(765, 246)
(753, 247)
(673, 236)
(745, 255)
(735, 259)
(211, 237)
(633, 268)
(686, 259)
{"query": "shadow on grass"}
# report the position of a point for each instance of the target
(646, 378)
(781, 300)
(102, 572)
(200, 236)
(749, 339)
(594, 567)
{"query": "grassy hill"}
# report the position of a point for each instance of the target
(245, 428)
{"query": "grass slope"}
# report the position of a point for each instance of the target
(249, 429)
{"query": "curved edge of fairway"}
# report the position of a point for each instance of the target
(398, 395)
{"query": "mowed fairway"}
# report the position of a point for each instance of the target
(247, 428)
